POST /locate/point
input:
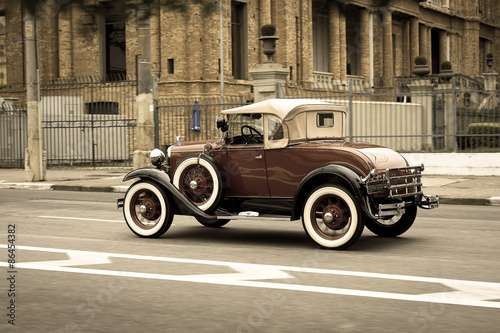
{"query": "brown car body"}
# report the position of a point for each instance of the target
(282, 158)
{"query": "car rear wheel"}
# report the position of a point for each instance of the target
(331, 217)
(147, 210)
(393, 226)
(199, 179)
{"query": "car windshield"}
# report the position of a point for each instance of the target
(244, 124)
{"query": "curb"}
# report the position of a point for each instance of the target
(494, 201)
(55, 187)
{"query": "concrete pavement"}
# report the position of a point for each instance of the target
(466, 190)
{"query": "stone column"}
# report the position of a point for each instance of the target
(306, 33)
(406, 55)
(364, 46)
(429, 48)
(334, 22)
(471, 48)
(343, 47)
(265, 12)
(265, 18)
(268, 78)
(443, 47)
(387, 41)
(415, 40)
(65, 46)
(422, 45)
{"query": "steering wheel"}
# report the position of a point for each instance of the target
(253, 134)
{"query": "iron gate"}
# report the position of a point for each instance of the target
(88, 121)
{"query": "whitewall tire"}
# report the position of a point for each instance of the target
(147, 210)
(199, 179)
(331, 217)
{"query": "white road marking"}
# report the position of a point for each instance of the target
(75, 259)
(466, 293)
(79, 218)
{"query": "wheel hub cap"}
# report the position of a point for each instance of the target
(333, 217)
(149, 209)
(193, 184)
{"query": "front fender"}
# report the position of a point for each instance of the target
(333, 173)
(186, 207)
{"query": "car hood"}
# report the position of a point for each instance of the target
(375, 156)
(384, 158)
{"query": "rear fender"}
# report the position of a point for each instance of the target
(185, 206)
(331, 173)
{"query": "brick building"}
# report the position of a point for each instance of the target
(366, 41)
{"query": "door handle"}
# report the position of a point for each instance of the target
(258, 157)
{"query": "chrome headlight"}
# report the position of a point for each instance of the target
(157, 157)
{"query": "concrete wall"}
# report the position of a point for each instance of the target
(458, 164)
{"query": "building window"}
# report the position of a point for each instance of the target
(353, 47)
(321, 43)
(239, 40)
(3, 53)
(114, 47)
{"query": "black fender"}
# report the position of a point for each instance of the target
(186, 207)
(333, 173)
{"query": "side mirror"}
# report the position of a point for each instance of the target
(221, 123)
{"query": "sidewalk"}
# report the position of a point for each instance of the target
(464, 190)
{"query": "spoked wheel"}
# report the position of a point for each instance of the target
(395, 225)
(147, 210)
(331, 217)
(198, 178)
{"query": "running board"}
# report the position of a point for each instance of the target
(250, 216)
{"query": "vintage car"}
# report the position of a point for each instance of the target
(280, 159)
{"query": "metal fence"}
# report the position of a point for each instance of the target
(13, 137)
(419, 114)
(193, 119)
(89, 120)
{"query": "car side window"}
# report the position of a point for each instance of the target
(274, 129)
(324, 119)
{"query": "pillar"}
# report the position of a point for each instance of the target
(268, 78)
(365, 44)
(415, 41)
(334, 23)
(388, 69)
(443, 47)
(265, 18)
(343, 46)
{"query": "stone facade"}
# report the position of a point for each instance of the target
(338, 40)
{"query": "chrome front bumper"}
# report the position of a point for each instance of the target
(399, 183)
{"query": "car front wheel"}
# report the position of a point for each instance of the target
(147, 210)
(393, 226)
(199, 179)
(331, 217)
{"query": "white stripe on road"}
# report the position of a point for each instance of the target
(79, 218)
(467, 293)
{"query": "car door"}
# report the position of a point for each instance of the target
(244, 170)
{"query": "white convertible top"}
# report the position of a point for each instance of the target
(283, 108)
(301, 119)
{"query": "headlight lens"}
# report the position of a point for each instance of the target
(157, 157)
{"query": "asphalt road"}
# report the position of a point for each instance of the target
(78, 268)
